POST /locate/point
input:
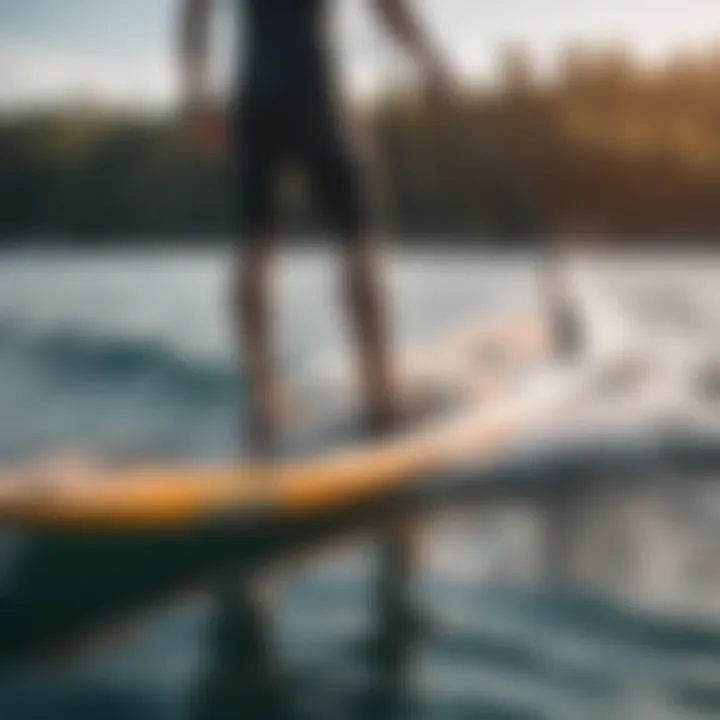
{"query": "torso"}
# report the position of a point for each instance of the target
(286, 51)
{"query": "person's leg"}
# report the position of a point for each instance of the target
(367, 308)
(340, 175)
(253, 330)
(251, 298)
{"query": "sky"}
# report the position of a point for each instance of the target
(121, 51)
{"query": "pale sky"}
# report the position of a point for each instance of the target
(121, 51)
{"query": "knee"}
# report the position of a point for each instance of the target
(250, 275)
(359, 258)
(363, 273)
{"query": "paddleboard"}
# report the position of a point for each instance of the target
(84, 543)
(98, 499)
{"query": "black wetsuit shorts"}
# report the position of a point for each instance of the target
(288, 114)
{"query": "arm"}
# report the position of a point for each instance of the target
(206, 129)
(399, 19)
(193, 45)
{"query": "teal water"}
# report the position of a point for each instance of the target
(131, 355)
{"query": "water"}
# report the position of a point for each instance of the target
(134, 353)
(131, 355)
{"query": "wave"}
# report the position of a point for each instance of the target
(86, 357)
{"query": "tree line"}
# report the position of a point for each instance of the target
(606, 146)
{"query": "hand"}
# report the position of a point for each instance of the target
(207, 132)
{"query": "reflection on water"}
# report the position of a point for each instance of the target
(632, 632)
(242, 676)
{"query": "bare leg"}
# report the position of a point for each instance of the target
(252, 313)
(368, 315)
